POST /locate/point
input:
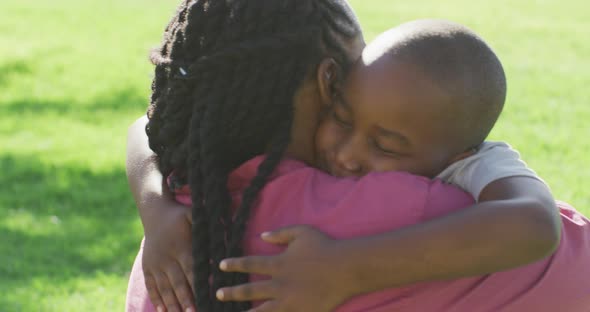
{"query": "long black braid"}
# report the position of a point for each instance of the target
(225, 79)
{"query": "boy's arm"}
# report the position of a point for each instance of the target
(515, 223)
(167, 259)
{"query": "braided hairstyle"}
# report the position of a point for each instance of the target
(226, 75)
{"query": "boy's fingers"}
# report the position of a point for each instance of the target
(180, 287)
(247, 292)
(265, 265)
(153, 293)
(167, 293)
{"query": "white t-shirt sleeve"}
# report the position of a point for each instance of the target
(491, 162)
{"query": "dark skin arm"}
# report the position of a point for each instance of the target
(167, 259)
(514, 223)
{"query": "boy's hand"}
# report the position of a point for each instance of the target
(307, 276)
(167, 262)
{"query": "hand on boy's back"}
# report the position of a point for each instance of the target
(307, 276)
(167, 261)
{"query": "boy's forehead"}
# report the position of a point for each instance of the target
(385, 77)
(381, 46)
(395, 86)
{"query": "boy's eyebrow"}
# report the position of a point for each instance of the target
(395, 135)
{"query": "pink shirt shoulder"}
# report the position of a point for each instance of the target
(378, 202)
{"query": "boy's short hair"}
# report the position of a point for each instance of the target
(458, 61)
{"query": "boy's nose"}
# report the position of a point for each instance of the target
(348, 160)
(352, 166)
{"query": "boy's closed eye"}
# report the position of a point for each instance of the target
(340, 120)
(381, 144)
(384, 149)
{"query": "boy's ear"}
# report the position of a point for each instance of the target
(327, 78)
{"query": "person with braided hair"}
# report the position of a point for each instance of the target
(227, 77)
(244, 179)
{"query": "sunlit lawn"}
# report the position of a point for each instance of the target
(74, 75)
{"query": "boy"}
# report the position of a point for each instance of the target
(422, 100)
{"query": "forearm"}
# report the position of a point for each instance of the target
(150, 194)
(145, 180)
(492, 237)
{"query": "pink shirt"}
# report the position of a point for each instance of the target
(381, 202)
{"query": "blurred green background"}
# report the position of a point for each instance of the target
(75, 74)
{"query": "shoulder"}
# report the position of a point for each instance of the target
(491, 162)
(388, 189)
(488, 148)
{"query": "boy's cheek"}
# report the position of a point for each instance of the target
(326, 136)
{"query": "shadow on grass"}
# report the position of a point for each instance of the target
(122, 100)
(59, 223)
(13, 68)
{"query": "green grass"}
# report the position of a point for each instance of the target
(74, 75)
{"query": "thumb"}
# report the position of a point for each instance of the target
(285, 235)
